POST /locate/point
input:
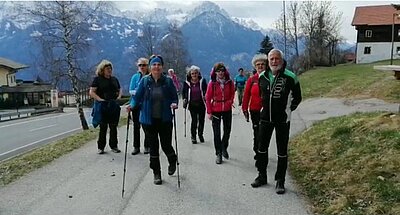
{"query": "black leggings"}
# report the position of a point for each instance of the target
(136, 130)
(198, 114)
(226, 117)
(163, 130)
(282, 139)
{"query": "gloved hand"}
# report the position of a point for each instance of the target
(246, 115)
(185, 103)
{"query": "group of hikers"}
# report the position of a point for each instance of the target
(267, 98)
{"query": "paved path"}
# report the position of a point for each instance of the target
(84, 183)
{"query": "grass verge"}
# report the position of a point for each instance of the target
(351, 80)
(350, 165)
(14, 168)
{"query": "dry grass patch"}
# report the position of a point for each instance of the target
(350, 165)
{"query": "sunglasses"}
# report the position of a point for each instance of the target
(142, 65)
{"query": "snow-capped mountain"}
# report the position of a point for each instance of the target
(249, 23)
(210, 33)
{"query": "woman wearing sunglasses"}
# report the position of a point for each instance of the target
(143, 70)
(219, 100)
(157, 96)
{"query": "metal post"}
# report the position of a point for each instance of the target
(284, 26)
(391, 53)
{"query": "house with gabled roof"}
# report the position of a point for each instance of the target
(17, 93)
(375, 26)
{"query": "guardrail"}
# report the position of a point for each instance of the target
(25, 113)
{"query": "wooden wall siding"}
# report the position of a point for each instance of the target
(380, 33)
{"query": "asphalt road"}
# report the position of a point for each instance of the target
(21, 135)
(84, 183)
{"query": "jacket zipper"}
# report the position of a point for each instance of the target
(270, 95)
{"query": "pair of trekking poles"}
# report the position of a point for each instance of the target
(126, 150)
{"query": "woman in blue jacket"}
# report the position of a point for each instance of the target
(157, 96)
(143, 70)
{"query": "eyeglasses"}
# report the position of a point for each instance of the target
(142, 65)
(260, 64)
(221, 70)
(194, 73)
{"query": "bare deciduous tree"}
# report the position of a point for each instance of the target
(320, 25)
(173, 50)
(64, 26)
(147, 40)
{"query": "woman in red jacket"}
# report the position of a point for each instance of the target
(219, 101)
(251, 97)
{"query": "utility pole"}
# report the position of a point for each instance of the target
(284, 26)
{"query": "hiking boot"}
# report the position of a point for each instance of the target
(146, 150)
(194, 141)
(259, 181)
(157, 178)
(218, 160)
(135, 151)
(172, 168)
(201, 138)
(115, 150)
(100, 151)
(225, 154)
(280, 187)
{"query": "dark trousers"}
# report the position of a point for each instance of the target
(240, 95)
(221, 144)
(282, 139)
(198, 114)
(255, 120)
(136, 130)
(113, 141)
(156, 133)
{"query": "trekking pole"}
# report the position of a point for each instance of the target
(176, 147)
(126, 149)
(184, 122)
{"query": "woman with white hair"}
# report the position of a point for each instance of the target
(175, 79)
(193, 95)
(251, 98)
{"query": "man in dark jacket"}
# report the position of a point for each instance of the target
(281, 94)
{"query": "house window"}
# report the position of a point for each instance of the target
(368, 33)
(367, 50)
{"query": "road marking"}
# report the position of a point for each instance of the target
(28, 121)
(33, 143)
(42, 127)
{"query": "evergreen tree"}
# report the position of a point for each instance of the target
(266, 45)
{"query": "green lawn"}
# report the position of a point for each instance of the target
(351, 80)
(350, 165)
